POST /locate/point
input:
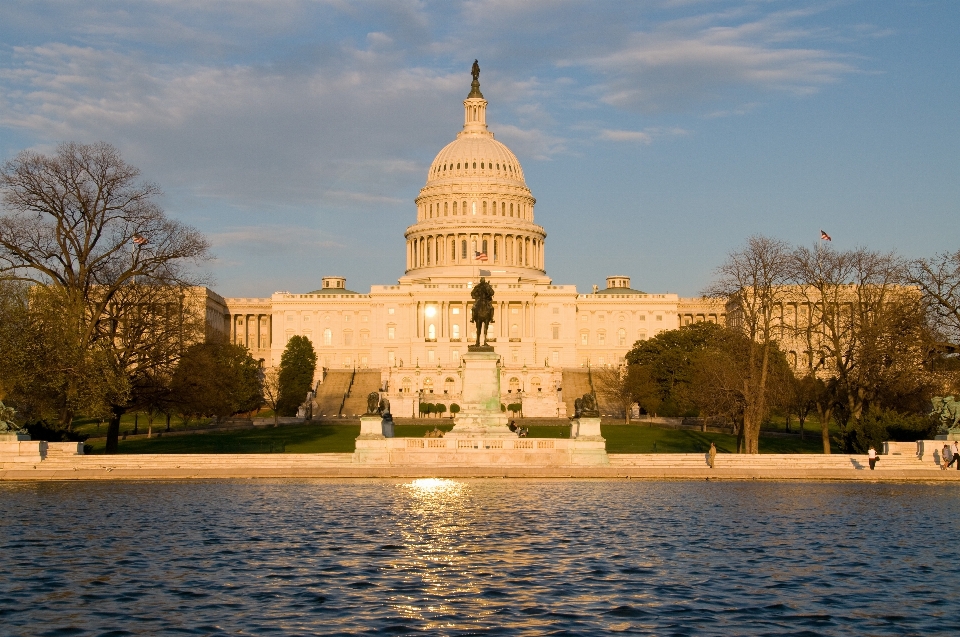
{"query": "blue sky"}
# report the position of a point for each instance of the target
(656, 135)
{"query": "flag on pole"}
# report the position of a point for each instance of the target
(484, 272)
(139, 240)
(824, 236)
(480, 256)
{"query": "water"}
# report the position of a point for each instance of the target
(467, 557)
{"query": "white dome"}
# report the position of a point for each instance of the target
(475, 156)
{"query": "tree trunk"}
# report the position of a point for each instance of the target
(825, 414)
(801, 426)
(113, 430)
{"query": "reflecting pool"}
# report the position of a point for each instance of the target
(466, 557)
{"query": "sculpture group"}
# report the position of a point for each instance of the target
(948, 410)
(482, 314)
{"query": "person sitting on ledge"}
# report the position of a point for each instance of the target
(513, 425)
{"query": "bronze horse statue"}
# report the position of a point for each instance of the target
(482, 314)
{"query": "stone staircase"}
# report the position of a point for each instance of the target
(365, 381)
(576, 383)
(330, 392)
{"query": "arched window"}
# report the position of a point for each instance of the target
(428, 385)
(446, 209)
(474, 164)
(484, 207)
(621, 336)
(454, 208)
(511, 210)
(328, 336)
(484, 246)
(503, 209)
(453, 249)
(405, 386)
(514, 385)
(535, 384)
(431, 210)
(449, 386)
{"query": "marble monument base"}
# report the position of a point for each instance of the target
(480, 415)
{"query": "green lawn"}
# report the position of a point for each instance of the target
(643, 439)
(339, 438)
(306, 438)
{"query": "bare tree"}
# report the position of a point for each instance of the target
(938, 279)
(754, 280)
(615, 387)
(80, 224)
(864, 331)
(271, 391)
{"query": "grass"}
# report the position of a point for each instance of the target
(339, 438)
(644, 439)
(306, 438)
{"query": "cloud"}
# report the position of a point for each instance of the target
(712, 57)
(271, 238)
(624, 136)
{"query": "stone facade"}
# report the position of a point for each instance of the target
(474, 216)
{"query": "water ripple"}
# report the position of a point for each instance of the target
(468, 557)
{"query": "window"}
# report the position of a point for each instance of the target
(428, 385)
(348, 338)
(484, 207)
(431, 356)
(584, 338)
(455, 331)
(364, 319)
(463, 249)
(455, 355)
(306, 318)
(535, 383)
(555, 357)
(364, 361)
(391, 358)
(449, 385)
(405, 385)
(642, 335)
(391, 332)
(446, 209)
(584, 317)
(556, 332)
(514, 331)
(390, 310)
(601, 318)
(621, 337)
(643, 317)
(556, 310)
(659, 317)
(346, 318)
(514, 383)
(432, 332)
(289, 318)
(511, 210)
(328, 336)
(484, 246)
(364, 337)
(601, 338)
(454, 208)
(602, 361)
(456, 310)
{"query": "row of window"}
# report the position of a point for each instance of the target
(509, 250)
(484, 165)
(506, 209)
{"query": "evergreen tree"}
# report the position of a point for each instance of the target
(297, 365)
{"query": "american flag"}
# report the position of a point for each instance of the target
(480, 256)
(824, 236)
(139, 240)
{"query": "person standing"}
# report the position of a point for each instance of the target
(956, 455)
(712, 455)
(945, 455)
(872, 457)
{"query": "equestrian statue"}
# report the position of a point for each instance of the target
(482, 314)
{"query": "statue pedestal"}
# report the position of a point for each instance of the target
(480, 415)
(587, 446)
(373, 443)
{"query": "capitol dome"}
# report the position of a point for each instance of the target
(475, 210)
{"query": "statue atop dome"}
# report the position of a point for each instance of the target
(475, 85)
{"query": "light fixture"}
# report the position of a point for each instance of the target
(431, 311)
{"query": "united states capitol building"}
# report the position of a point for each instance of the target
(475, 216)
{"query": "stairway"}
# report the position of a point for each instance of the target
(576, 383)
(330, 393)
(366, 381)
